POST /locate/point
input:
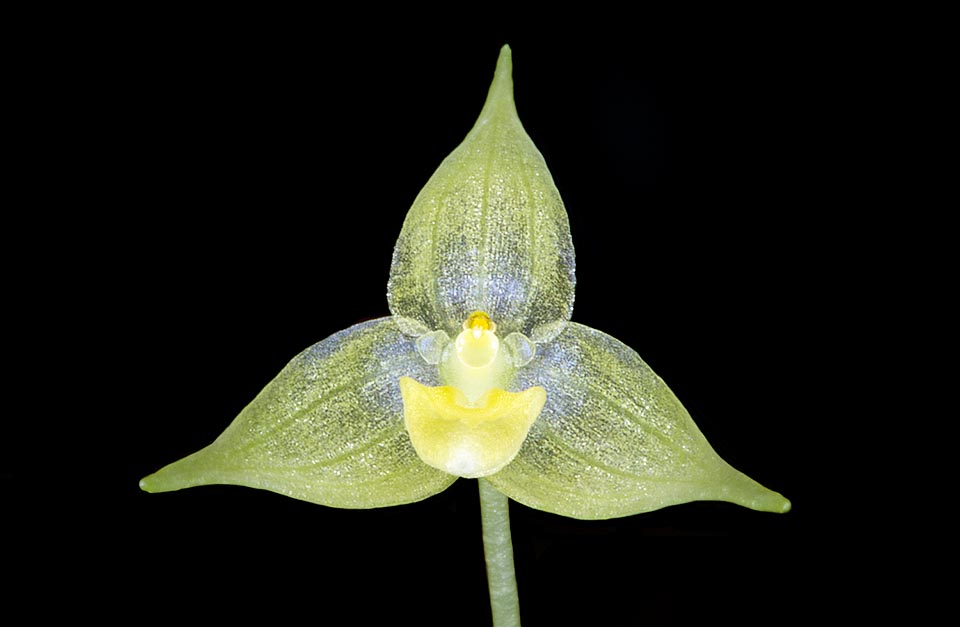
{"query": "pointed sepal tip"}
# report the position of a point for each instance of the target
(500, 95)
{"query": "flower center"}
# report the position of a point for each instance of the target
(477, 345)
(474, 363)
(471, 426)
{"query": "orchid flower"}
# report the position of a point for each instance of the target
(478, 373)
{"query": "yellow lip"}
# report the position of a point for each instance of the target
(468, 439)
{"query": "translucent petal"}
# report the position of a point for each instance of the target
(328, 429)
(487, 233)
(613, 440)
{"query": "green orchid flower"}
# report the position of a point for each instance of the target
(478, 373)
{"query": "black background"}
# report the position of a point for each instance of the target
(232, 186)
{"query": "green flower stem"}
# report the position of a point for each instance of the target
(498, 549)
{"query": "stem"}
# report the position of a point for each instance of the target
(498, 549)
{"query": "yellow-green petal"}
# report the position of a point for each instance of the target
(487, 233)
(613, 440)
(328, 429)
